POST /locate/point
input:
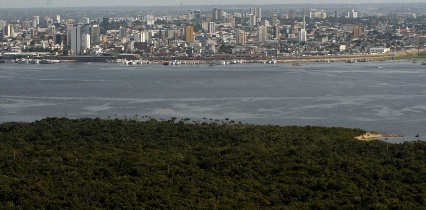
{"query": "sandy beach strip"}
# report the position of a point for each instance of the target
(370, 136)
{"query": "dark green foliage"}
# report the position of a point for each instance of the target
(125, 164)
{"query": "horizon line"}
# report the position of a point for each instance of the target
(195, 5)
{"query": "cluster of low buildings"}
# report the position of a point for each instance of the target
(212, 32)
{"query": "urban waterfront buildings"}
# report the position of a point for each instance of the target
(225, 31)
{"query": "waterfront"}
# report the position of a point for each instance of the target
(378, 96)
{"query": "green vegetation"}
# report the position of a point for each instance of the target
(411, 56)
(226, 49)
(126, 164)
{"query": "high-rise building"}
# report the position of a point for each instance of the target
(8, 31)
(252, 20)
(353, 14)
(85, 42)
(215, 13)
(241, 37)
(76, 40)
(191, 14)
(197, 14)
(357, 31)
(302, 32)
(231, 20)
(122, 32)
(276, 30)
(274, 20)
(189, 33)
(69, 27)
(221, 13)
(302, 35)
(262, 33)
(51, 30)
(58, 18)
(2, 24)
(141, 36)
(211, 28)
(36, 21)
(59, 39)
(337, 14)
(256, 12)
(95, 34)
(84, 21)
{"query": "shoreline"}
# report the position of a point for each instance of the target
(372, 136)
(252, 59)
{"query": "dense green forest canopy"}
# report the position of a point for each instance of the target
(59, 163)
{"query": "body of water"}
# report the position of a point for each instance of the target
(378, 96)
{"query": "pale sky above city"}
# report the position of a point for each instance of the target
(78, 3)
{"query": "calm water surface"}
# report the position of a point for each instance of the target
(379, 96)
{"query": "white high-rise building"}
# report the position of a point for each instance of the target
(141, 36)
(76, 40)
(212, 28)
(36, 21)
(353, 14)
(51, 30)
(2, 23)
(58, 18)
(302, 35)
(85, 42)
(302, 32)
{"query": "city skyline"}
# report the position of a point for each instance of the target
(78, 3)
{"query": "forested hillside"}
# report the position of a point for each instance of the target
(58, 163)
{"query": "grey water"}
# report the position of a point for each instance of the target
(376, 96)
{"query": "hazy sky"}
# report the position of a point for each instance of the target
(75, 3)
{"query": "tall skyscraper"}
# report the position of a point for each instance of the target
(69, 27)
(76, 40)
(58, 18)
(189, 33)
(262, 33)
